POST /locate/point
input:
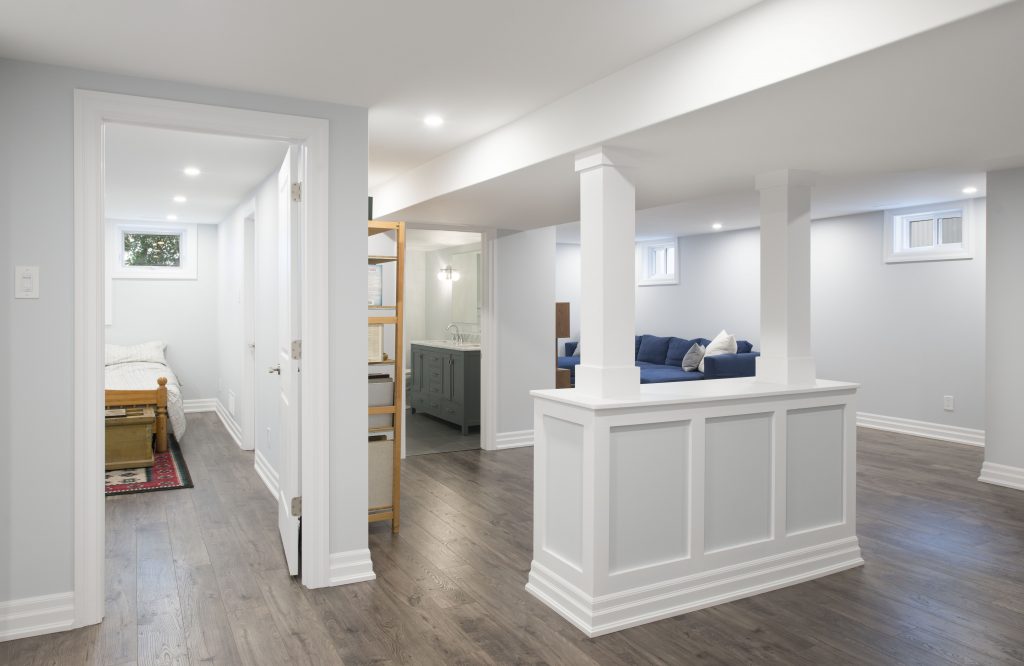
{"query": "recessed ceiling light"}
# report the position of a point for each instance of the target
(192, 171)
(433, 120)
(970, 189)
(716, 226)
(172, 218)
(180, 198)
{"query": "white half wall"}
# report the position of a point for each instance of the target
(182, 313)
(37, 338)
(908, 333)
(525, 269)
(1004, 445)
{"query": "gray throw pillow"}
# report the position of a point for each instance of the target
(693, 357)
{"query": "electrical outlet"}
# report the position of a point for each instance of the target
(947, 403)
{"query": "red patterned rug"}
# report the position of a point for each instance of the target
(167, 473)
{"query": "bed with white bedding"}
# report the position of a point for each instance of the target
(137, 368)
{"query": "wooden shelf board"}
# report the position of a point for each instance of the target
(380, 259)
(381, 307)
(381, 429)
(382, 320)
(388, 362)
(376, 517)
(384, 409)
(375, 227)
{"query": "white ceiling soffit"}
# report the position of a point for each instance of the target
(833, 197)
(770, 42)
(144, 171)
(479, 64)
(943, 103)
(429, 240)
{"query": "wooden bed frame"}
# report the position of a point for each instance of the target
(157, 397)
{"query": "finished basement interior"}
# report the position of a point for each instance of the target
(690, 333)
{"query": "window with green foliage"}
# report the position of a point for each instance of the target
(149, 249)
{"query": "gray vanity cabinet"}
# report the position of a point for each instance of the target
(446, 384)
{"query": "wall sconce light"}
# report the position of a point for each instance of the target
(448, 274)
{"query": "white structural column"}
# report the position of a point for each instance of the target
(786, 278)
(607, 263)
(1004, 319)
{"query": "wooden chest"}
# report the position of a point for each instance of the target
(130, 437)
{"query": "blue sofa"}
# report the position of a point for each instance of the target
(661, 360)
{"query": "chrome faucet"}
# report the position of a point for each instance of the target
(456, 336)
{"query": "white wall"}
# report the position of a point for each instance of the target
(567, 286)
(910, 333)
(234, 336)
(415, 300)
(525, 290)
(182, 313)
(36, 359)
(1005, 319)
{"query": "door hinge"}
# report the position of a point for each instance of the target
(296, 506)
(296, 192)
(297, 350)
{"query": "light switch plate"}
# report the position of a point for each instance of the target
(26, 282)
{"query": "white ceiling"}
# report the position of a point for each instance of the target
(478, 64)
(429, 240)
(912, 122)
(144, 171)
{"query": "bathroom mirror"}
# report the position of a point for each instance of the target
(466, 291)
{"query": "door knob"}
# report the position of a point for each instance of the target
(276, 368)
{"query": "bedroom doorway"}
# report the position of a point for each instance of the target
(166, 254)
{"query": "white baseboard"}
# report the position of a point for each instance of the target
(596, 616)
(513, 439)
(21, 618)
(1002, 475)
(230, 424)
(946, 433)
(268, 474)
(353, 566)
(199, 405)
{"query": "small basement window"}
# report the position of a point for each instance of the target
(158, 251)
(657, 262)
(928, 233)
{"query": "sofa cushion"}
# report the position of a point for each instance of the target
(724, 343)
(637, 339)
(677, 348)
(568, 362)
(659, 374)
(653, 349)
(743, 347)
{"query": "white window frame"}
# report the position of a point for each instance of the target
(189, 245)
(646, 274)
(896, 233)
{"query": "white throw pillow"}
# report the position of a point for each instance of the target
(576, 351)
(722, 344)
(147, 352)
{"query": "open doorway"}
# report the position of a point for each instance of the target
(443, 296)
(171, 198)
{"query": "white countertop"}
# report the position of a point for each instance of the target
(692, 392)
(448, 344)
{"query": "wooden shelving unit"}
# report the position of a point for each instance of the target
(390, 511)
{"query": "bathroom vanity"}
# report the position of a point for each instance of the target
(446, 382)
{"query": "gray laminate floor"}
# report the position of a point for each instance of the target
(197, 576)
(425, 435)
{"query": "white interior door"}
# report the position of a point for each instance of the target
(288, 349)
